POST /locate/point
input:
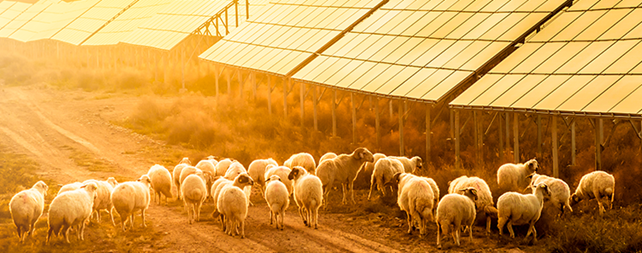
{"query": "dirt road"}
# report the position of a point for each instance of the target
(63, 129)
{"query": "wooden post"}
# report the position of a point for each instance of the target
(456, 127)
(452, 124)
(315, 103)
(598, 143)
(183, 69)
(500, 123)
(390, 109)
(285, 97)
(573, 147)
(377, 125)
(269, 95)
(507, 116)
(401, 115)
(353, 104)
(228, 79)
(539, 136)
(476, 131)
(216, 77)
(254, 85)
(302, 100)
(516, 137)
(554, 142)
(428, 133)
(334, 113)
(240, 78)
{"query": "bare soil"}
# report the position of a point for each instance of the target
(72, 135)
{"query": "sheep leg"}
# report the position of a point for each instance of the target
(456, 233)
(272, 218)
(500, 224)
(510, 229)
(32, 229)
(303, 217)
(438, 237)
(487, 224)
(111, 215)
(66, 229)
(416, 215)
(372, 183)
(351, 190)
(82, 231)
(131, 220)
(282, 218)
(20, 233)
(534, 233)
(409, 218)
(344, 187)
(242, 228)
(198, 211)
(471, 232)
(49, 232)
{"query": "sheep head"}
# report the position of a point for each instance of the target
(363, 154)
(543, 188)
(273, 178)
(145, 180)
(243, 180)
(574, 199)
(297, 171)
(470, 192)
(42, 187)
(418, 164)
(532, 165)
(112, 181)
(185, 160)
(91, 187)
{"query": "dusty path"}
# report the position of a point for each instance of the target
(59, 128)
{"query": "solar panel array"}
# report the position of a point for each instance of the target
(424, 49)
(25, 17)
(91, 20)
(587, 61)
(5, 5)
(12, 12)
(127, 22)
(174, 23)
(285, 33)
(61, 15)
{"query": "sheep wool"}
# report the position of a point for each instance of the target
(232, 205)
(596, 185)
(194, 192)
(343, 169)
(308, 195)
(521, 209)
(304, 160)
(417, 200)
(484, 202)
(129, 197)
(257, 170)
(384, 170)
(161, 182)
(278, 199)
(26, 207)
(456, 210)
(513, 177)
(71, 209)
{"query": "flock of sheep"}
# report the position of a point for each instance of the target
(229, 185)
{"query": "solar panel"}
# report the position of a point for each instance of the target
(21, 20)
(174, 23)
(586, 61)
(424, 49)
(60, 16)
(90, 21)
(124, 24)
(286, 33)
(5, 5)
(12, 12)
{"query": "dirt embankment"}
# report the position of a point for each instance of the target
(71, 135)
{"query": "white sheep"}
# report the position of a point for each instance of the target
(215, 191)
(129, 197)
(456, 210)
(71, 209)
(342, 169)
(308, 195)
(176, 176)
(26, 207)
(70, 187)
(208, 166)
(232, 205)
(326, 156)
(521, 209)
(417, 200)
(277, 198)
(161, 182)
(513, 177)
(188, 170)
(282, 172)
(257, 170)
(595, 185)
(484, 202)
(103, 199)
(384, 169)
(560, 192)
(194, 193)
(410, 165)
(368, 167)
(222, 166)
(304, 160)
(235, 169)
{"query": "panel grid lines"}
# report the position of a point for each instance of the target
(585, 62)
(436, 45)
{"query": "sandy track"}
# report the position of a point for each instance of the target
(46, 124)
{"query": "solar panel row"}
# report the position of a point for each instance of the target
(586, 61)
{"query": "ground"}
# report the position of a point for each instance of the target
(72, 135)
